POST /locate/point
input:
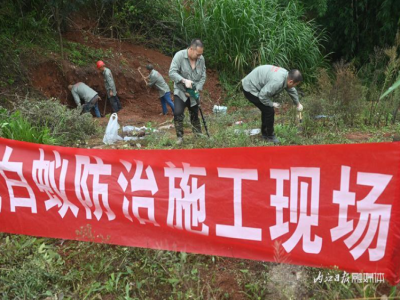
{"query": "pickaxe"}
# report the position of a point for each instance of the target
(144, 78)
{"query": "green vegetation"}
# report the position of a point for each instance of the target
(32, 122)
(36, 268)
(356, 28)
(240, 35)
(15, 127)
(82, 55)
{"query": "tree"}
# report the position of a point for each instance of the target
(60, 11)
(357, 26)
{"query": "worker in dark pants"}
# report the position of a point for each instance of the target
(82, 91)
(110, 86)
(261, 85)
(188, 67)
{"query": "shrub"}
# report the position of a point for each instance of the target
(67, 125)
(82, 55)
(340, 99)
(346, 96)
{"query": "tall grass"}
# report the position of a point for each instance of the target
(16, 127)
(241, 34)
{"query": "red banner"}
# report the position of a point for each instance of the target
(323, 206)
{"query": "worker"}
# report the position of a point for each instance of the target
(82, 91)
(262, 84)
(110, 86)
(188, 67)
(156, 79)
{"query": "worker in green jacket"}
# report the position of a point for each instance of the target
(82, 91)
(110, 86)
(262, 84)
(188, 67)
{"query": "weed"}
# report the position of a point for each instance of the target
(30, 268)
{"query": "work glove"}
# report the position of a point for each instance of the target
(188, 83)
(276, 105)
(299, 107)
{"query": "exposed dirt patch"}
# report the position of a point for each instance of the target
(140, 104)
(358, 136)
(228, 284)
(48, 78)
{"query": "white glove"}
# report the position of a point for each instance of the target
(188, 83)
(299, 107)
(276, 105)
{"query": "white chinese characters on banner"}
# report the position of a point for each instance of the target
(16, 167)
(44, 175)
(372, 215)
(296, 212)
(86, 172)
(279, 201)
(238, 231)
(186, 202)
(298, 216)
(139, 184)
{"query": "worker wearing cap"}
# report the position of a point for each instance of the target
(110, 86)
(156, 79)
(188, 67)
(82, 91)
(262, 84)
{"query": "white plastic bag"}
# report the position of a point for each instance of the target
(248, 131)
(128, 128)
(111, 135)
(219, 109)
(130, 138)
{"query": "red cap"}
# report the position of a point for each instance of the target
(100, 64)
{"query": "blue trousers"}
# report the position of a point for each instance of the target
(97, 111)
(166, 99)
(89, 106)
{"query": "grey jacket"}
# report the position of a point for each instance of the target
(156, 79)
(81, 90)
(109, 82)
(268, 81)
(180, 69)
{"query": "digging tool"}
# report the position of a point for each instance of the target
(204, 121)
(105, 106)
(144, 78)
(193, 92)
(300, 117)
